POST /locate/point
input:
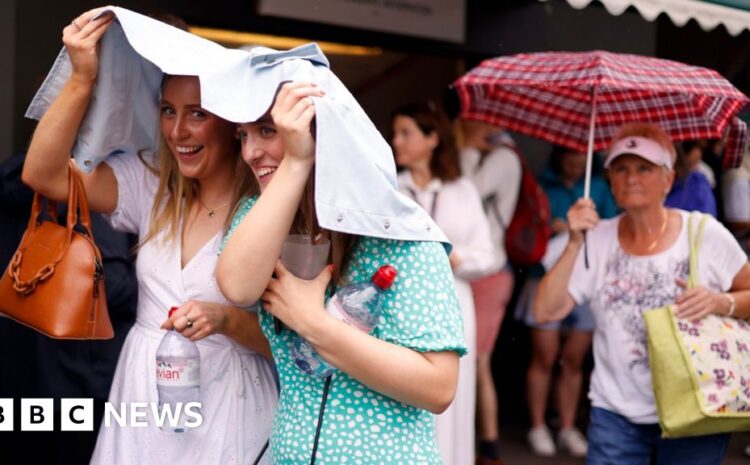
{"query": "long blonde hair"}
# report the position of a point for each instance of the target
(181, 193)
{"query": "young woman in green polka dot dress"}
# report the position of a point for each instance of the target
(380, 403)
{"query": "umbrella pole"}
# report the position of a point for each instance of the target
(589, 163)
(590, 151)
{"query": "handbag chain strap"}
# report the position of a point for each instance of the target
(694, 242)
(27, 287)
(76, 199)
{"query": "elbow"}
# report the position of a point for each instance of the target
(441, 401)
(549, 306)
(442, 388)
(236, 296)
(29, 178)
(443, 398)
(233, 289)
(43, 183)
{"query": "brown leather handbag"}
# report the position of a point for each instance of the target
(55, 281)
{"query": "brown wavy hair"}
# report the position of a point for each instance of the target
(306, 222)
(430, 118)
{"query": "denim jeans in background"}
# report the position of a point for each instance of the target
(613, 440)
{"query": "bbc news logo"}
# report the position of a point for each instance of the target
(78, 414)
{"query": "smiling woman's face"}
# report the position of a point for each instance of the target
(200, 141)
(262, 149)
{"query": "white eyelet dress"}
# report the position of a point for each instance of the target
(237, 386)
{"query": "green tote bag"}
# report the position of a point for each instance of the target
(700, 370)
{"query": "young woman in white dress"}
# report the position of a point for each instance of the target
(179, 202)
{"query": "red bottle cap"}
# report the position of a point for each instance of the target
(171, 311)
(384, 277)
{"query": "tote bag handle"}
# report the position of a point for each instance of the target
(695, 238)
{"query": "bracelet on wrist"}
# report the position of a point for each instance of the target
(732, 303)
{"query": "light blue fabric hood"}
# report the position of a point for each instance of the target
(355, 184)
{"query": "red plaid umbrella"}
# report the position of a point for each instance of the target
(579, 100)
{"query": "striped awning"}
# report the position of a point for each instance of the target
(733, 14)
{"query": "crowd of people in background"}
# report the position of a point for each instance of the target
(488, 157)
(221, 213)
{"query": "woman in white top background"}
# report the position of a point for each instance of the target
(424, 146)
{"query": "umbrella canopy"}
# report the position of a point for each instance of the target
(579, 100)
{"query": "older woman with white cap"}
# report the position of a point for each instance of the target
(638, 261)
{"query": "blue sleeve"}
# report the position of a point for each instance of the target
(558, 203)
(707, 199)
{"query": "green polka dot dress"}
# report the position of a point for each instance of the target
(361, 426)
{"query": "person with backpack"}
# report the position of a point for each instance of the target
(490, 161)
(423, 143)
(568, 340)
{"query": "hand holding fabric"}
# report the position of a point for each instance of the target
(292, 113)
(81, 39)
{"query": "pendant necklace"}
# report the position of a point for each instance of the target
(212, 211)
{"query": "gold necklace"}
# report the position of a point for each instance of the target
(663, 228)
(212, 211)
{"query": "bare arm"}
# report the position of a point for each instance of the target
(425, 380)
(46, 167)
(250, 255)
(246, 264)
(740, 291)
(553, 302)
(699, 301)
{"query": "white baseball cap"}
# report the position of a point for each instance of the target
(642, 147)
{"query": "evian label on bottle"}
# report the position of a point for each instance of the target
(335, 308)
(178, 372)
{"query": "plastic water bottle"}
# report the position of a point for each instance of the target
(357, 305)
(177, 377)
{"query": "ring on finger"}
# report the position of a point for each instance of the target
(189, 322)
(74, 23)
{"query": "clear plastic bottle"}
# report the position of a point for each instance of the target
(177, 377)
(357, 305)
